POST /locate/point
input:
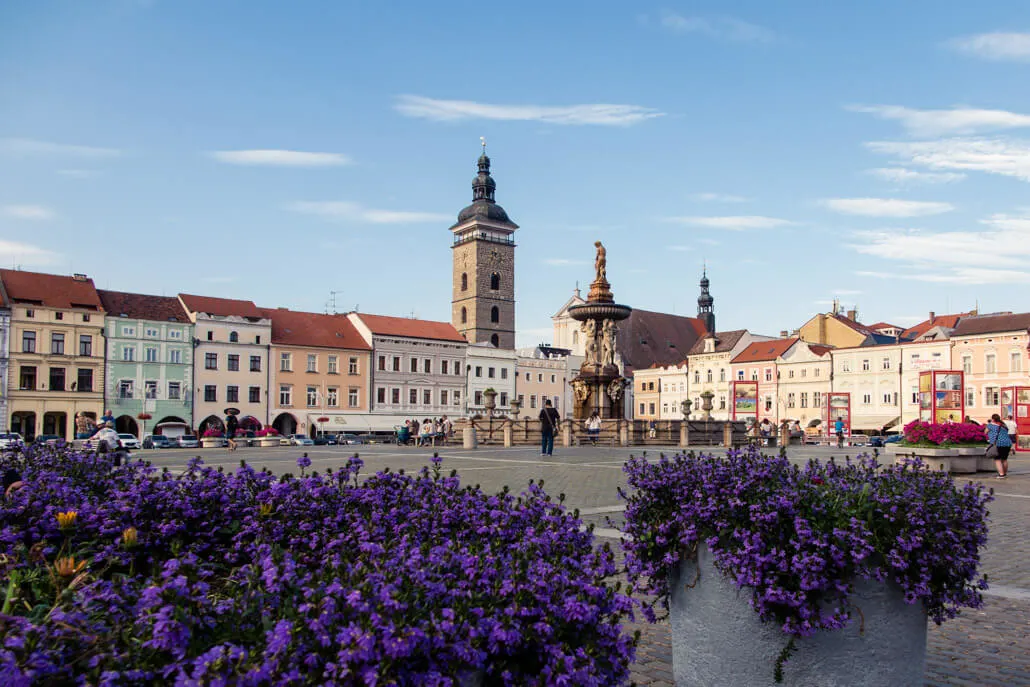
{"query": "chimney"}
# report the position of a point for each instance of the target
(933, 315)
(79, 277)
(853, 315)
(783, 333)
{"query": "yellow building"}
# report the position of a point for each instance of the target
(56, 352)
(838, 331)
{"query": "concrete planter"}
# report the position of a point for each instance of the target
(265, 442)
(211, 442)
(718, 640)
(936, 458)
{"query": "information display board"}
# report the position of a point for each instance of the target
(838, 405)
(1015, 405)
(941, 398)
(745, 400)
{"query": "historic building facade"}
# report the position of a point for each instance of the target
(659, 391)
(5, 348)
(992, 351)
(320, 373)
(490, 368)
(542, 373)
(710, 370)
(56, 353)
(757, 364)
(233, 338)
(483, 301)
(149, 362)
(804, 373)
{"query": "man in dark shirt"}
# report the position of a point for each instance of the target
(549, 422)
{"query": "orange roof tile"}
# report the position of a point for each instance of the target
(221, 307)
(949, 321)
(290, 328)
(50, 290)
(416, 329)
(761, 351)
(139, 306)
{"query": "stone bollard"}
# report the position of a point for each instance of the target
(507, 434)
(684, 435)
(468, 438)
(566, 434)
(727, 435)
(624, 432)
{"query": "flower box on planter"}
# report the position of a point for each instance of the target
(266, 441)
(837, 564)
(211, 442)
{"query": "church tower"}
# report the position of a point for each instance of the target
(706, 305)
(483, 300)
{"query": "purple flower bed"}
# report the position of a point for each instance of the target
(798, 537)
(129, 576)
(922, 433)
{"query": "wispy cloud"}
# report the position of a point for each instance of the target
(718, 198)
(348, 211)
(218, 279)
(709, 242)
(561, 262)
(995, 46)
(457, 110)
(967, 257)
(78, 173)
(17, 253)
(997, 156)
(734, 222)
(886, 207)
(904, 177)
(280, 158)
(30, 146)
(679, 248)
(30, 212)
(957, 120)
(720, 28)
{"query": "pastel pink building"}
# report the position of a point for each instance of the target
(992, 351)
(757, 363)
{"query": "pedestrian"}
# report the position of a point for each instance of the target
(652, 429)
(231, 424)
(838, 428)
(549, 423)
(448, 427)
(593, 425)
(999, 445)
(426, 433)
(1010, 425)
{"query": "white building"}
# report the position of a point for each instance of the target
(804, 373)
(544, 372)
(488, 367)
(709, 365)
(659, 392)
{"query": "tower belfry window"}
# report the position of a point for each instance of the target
(464, 315)
(495, 281)
(495, 314)
(495, 340)
(464, 281)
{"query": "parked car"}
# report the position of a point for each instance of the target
(349, 439)
(129, 441)
(325, 440)
(157, 441)
(300, 440)
(11, 440)
(285, 441)
(47, 438)
(188, 441)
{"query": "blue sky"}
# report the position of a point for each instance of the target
(878, 152)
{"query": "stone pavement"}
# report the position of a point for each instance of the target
(983, 648)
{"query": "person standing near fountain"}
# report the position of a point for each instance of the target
(549, 422)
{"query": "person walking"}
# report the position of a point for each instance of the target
(549, 422)
(1010, 425)
(652, 429)
(838, 428)
(593, 425)
(231, 425)
(999, 445)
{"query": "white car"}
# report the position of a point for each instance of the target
(301, 440)
(11, 441)
(129, 441)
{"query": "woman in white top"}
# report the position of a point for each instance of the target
(593, 424)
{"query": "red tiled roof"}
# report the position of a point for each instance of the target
(724, 341)
(141, 307)
(649, 338)
(761, 351)
(857, 326)
(291, 328)
(989, 324)
(415, 329)
(949, 321)
(221, 307)
(883, 325)
(819, 350)
(50, 290)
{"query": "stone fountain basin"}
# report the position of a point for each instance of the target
(599, 311)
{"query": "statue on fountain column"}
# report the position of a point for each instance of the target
(581, 390)
(601, 262)
(590, 343)
(609, 330)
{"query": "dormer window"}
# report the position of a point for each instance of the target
(234, 337)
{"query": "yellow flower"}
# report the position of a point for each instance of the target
(67, 519)
(265, 509)
(67, 566)
(129, 537)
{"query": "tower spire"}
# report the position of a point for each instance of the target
(706, 304)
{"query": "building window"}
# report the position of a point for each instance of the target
(722, 374)
(381, 395)
(175, 334)
(464, 283)
(125, 388)
(867, 399)
(754, 375)
(768, 403)
(150, 354)
(641, 408)
(967, 364)
(768, 374)
(479, 371)
(710, 376)
(128, 354)
(804, 399)
(210, 361)
(457, 398)
(58, 315)
(85, 381)
(382, 363)
(490, 371)
(332, 364)
(740, 376)
(175, 356)
(286, 362)
(396, 363)
(1015, 362)
(312, 362)
(29, 312)
(457, 367)
(650, 408)
(495, 314)
(352, 397)
(285, 395)
(412, 396)
(210, 393)
(150, 389)
(464, 315)
(427, 397)
(532, 400)
(413, 364)
(479, 398)
(210, 336)
(255, 363)
(255, 394)
(990, 364)
(233, 362)
(332, 396)
(232, 394)
(234, 337)
(28, 342)
(790, 400)
(887, 399)
(697, 376)
(174, 391)
(57, 379)
(790, 374)
(257, 339)
(395, 396)
(443, 367)
(312, 396)
(352, 366)
(865, 365)
(443, 397)
(128, 331)
(57, 343)
(722, 402)
(970, 396)
(85, 345)
(816, 373)
(150, 332)
(817, 399)
(27, 378)
(427, 366)
(991, 396)
(845, 366)
(495, 281)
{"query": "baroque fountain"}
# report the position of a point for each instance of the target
(599, 385)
